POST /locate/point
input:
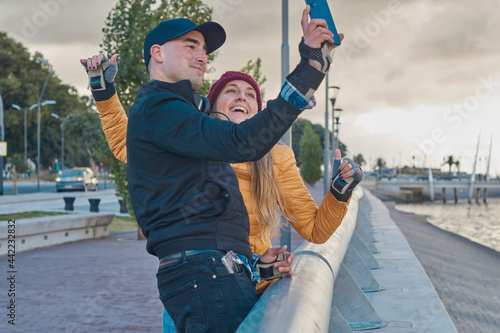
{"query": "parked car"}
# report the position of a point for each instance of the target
(80, 179)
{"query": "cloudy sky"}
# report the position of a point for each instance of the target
(418, 78)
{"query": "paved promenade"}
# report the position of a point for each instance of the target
(109, 285)
(104, 285)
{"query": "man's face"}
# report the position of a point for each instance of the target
(185, 58)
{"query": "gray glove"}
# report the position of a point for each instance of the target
(343, 186)
(103, 76)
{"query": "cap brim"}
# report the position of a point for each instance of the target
(214, 35)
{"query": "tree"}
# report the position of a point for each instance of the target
(21, 80)
(254, 69)
(297, 130)
(17, 161)
(311, 155)
(359, 158)
(85, 129)
(450, 160)
(380, 163)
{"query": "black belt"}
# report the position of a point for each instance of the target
(176, 256)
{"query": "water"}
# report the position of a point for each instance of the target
(477, 222)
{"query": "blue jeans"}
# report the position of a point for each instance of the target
(168, 323)
(201, 296)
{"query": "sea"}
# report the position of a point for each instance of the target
(479, 222)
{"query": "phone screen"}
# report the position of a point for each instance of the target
(320, 10)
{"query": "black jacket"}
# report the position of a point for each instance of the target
(184, 193)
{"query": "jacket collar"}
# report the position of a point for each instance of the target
(182, 88)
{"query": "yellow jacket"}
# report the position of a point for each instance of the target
(315, 224)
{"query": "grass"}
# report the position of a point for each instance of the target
(122, 224)
(27, 215)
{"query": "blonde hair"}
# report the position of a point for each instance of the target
(267, 196)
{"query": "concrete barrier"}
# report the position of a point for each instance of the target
(364, 277)
(51, 230)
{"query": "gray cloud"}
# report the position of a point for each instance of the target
(396, 54)
(54, 21)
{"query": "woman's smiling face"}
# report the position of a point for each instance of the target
(237, 100)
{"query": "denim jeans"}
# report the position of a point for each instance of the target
(168, 323)
(201, 296)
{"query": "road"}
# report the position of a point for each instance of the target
(45, 186)
(44, 201)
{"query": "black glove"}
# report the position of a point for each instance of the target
(103, 76)
(267, 271)
(345, 186)
(322, 55)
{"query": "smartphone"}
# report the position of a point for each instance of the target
(320, 10)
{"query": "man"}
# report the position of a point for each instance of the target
(184, 193)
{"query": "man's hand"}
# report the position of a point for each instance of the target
(284, 267)
(348, 171)
(99, 65)
(315, 34)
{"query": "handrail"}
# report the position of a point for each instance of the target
(303, 303)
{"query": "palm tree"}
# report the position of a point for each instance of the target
(359, 159)
(450, 160)
(380, 163)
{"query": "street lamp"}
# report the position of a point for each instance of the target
(335, 129)
(55, 115)
(335, 93)
(17, 107)
(337, 140)
(326, 143)
(38, 123)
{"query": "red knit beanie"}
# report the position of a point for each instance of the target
(231, 76)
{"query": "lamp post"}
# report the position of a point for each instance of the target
(38, 124)
(55, 115)
(25, 111)
(326, 152)
(326, 144)
(335, 129)
(337, 140)
(286, 238)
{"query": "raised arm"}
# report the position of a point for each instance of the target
(113, 117)
(315, 224)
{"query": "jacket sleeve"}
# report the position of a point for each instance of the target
(315, 224)
(175, 126)
(114, 124)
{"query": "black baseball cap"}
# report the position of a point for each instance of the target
(213, 33)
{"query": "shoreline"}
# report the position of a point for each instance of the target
(465, 274)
